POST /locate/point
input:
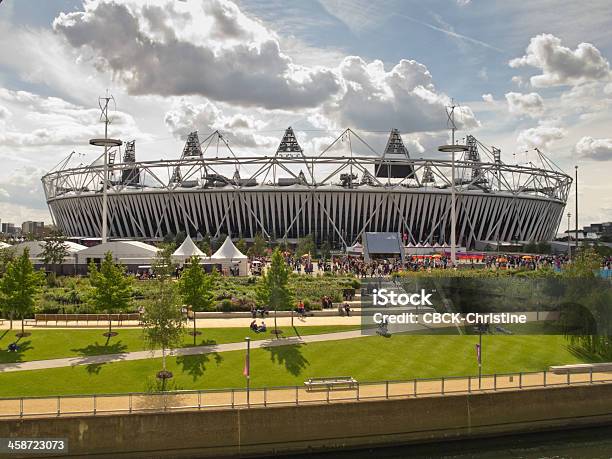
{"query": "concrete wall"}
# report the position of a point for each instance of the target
(264, 431)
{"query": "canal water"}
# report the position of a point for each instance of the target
(588, 443)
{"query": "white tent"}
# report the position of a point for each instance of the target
(356, 248)
(228, 256)
(36, 249)
(130, 253)
(187, 250)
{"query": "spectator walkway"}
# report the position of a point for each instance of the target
(100, 404)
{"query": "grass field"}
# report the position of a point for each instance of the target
(52, 344)
(367, 359)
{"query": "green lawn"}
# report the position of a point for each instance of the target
(57, 343)
(367, 359)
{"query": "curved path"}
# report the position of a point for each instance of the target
(196, 350)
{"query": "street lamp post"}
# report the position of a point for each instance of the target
(569, 249)
(453, 148)
(247, 371)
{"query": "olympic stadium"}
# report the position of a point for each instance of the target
(335, 195)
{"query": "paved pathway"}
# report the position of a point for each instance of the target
(196, 350)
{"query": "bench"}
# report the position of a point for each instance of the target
(581, 368)
(331, 383)
(87, 318)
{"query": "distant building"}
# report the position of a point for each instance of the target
(9, 229)
(599, 229)
(34, 228)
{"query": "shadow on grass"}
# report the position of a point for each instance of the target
(586, 355)
(15, 356)
(290, 356)
(195, 365)
(101, 349)
(94, 368)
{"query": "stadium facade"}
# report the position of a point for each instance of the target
(335, 195)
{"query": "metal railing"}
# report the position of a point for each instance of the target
(96, 404)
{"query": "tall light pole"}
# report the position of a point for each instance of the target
(576, 216)
(106, 143)
(569, 249)
(453, 148)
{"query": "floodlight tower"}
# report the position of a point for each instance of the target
(453, 148)
(106, 143)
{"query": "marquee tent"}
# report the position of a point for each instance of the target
(228, 256)
(187, 250)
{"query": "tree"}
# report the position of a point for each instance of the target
(204, 245)
(19, 286)
(258, 249)
(111, 288)
(325, 250)
(162, 318)
(55, 250)
(242, 246)
(305, 246)
(196, 289)
(273, 289)
(6, 256)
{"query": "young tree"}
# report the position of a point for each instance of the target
(196, 289)
(55, 250)
(162, 319)
(258, 249)
(305, 246)
(112, 288)
(242, 246)
(19, 286)
(273, 289)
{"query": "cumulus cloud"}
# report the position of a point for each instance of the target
(403, 97)
(530, 104)
(59, 122)
(488, 98)
(541, 136)
(23, 187)
(207, 48)
(4, 113)
(595, 149)
(240, 129)
(561, 65)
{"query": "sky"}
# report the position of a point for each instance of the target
(526, 75)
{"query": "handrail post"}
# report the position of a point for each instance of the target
(232, 398)
(545, 377)
(494, 382)
(469, 384)
(94, 404)
(130, 402)
(520, 379)
(415, 387)
(358, 391)
(58, 405)
(328, 394)
(568, 377)
(296, 396)
(199, 400)
(21, 407)
(591, 375)
(442, 385)
(265, 391)
(387, 389)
